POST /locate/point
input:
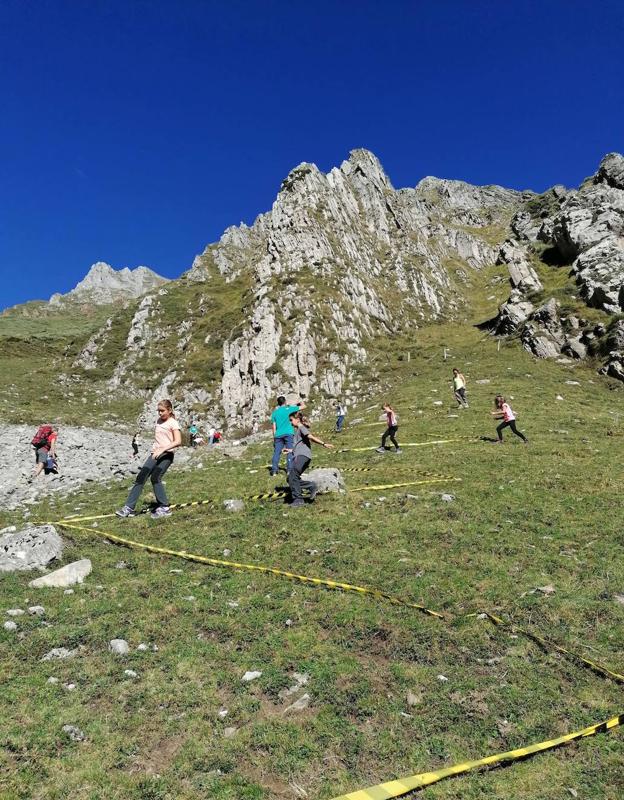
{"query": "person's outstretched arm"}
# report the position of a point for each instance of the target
(314, 438)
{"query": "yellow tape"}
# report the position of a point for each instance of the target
(549, 645)
(398, 485)
(217, 562)
(408, 444)
(384, 791)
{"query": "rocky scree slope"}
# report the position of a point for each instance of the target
(580, 233)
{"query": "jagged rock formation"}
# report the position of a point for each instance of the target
(343, 258)
(305, 301)
(103, 285)
(583, 231)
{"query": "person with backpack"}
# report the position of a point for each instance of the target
(167, 437)
(341, 413)
(301, 458)
(135, 445)
(44, 442)
(283, 432)
(392, 421)
(503, 411)
(459, 388)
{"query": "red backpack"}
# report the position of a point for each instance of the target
(42, 437)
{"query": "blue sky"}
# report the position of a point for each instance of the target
(134, 132)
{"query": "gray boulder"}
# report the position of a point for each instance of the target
(119, 647)
(327, 479)
(31, 548)
(68, 575)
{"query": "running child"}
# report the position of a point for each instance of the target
(392, 421)
(301, 458)
(167, 437)
(503, 411)
(459, 388)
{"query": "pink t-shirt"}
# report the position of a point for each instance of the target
(508, 414)
(163, 435)
(391, 419)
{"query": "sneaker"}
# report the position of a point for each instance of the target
(397, 450)
(161, 511)
(380, 450)
(300, 503)
(126, 511)
(272, 474)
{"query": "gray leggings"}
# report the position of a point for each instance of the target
(153, 469)
(295, 481)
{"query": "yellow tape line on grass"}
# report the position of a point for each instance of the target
(399, 485)
(547, 644)
(217, 562)
(395, 788)
(276, 494)
(408, 444)
(384, 791)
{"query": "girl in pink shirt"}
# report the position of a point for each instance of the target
(503, 411)
(393, 426)
(167, 437)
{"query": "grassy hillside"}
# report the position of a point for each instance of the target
(523, 517)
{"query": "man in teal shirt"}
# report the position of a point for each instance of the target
(283, 432)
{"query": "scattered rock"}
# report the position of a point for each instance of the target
(74, 733)
(119, 647)
(229, 732)
(233, 505)
(68, 591)
(573, 383)
(483, 381)
(227, 553)
(447, 498)
(52, 681)
(619, 598)
(251, 675)
(14, 612)
(413, 699)
(547, 590)
(130, 673)
(299, 705)
(30, 548)
(222, 713)
(9, 625)
(442, 678)
(68, 575)
(142, 647)
(59, 653)
(36, 611)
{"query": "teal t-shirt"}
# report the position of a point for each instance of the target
(282, 423)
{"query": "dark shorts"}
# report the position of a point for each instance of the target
(41, 455)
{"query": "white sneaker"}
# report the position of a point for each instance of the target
(161, 511)
(126, 511)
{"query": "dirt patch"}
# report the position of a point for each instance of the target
(159, 757)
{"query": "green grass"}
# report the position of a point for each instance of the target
(523, 517)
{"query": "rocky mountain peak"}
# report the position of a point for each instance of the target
(103, 284)
(611, 171)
